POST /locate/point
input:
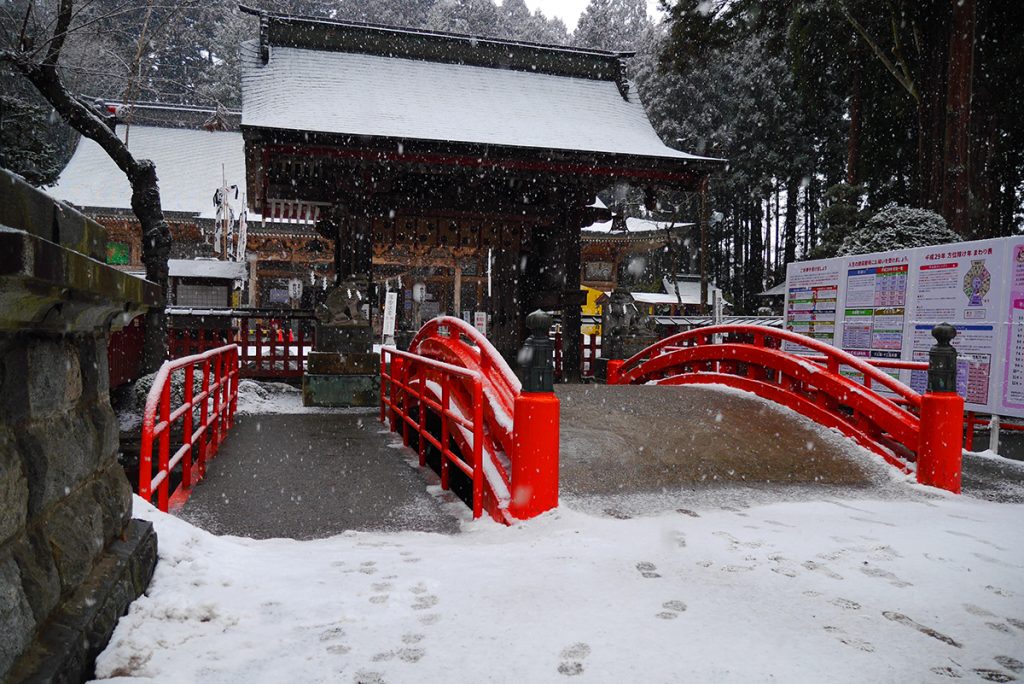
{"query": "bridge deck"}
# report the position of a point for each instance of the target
(623, 441)
(309, 476)
(658, 437)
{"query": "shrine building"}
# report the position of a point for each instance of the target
(475, 157)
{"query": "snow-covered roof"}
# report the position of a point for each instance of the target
(776, 291)
(657, 298)
(190, 164)
(689, 290)
(634, 225)
(206, 268)
(352, 93)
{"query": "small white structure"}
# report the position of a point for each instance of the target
(206, 283)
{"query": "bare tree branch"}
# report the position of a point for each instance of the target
(908, 84)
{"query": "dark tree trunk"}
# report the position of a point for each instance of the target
(853, 141)
(755, 267)
(156, 248)
(156, 236)
(931, 112)
(737, 257)
(956, 198)
(792, 198)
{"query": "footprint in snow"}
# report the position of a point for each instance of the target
(425, 601)
(924, 629)
(955, 533)
(572, 659)
(994, 561)
(1011, 664)
(332, 634)
(364, 677)
(999, 627)
(850, 641)
(672, 610)
(950, 672)
(977, 610)
(994, 675)
(845, 603)
(647, 569)
(872, 571)
(412, 638)
(823, 569)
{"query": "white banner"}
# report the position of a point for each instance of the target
(390, 313)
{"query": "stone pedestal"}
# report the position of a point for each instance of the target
(342, 371)
(71, 557)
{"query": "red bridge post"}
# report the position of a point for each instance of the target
(939, 458)
(535, 426)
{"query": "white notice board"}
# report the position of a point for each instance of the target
(886, 304)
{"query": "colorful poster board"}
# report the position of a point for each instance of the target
(812, 299)
(884, 306)
(1013, 375)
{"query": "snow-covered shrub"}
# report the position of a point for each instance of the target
(896, 227)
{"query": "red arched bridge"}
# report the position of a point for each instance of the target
(456, 401)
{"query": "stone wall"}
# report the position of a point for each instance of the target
(71, 558)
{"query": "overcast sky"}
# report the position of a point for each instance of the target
(569, 10)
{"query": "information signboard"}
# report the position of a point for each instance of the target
(884, 306)
(812, 298)
(1013, 375)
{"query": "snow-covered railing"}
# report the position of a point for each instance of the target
(214, 408)
(411, 386)
(272, 343)
(456, 392)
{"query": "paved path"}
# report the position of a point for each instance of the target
(309, 476)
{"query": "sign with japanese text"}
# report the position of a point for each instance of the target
(884, 306)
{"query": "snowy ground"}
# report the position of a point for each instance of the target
(913, 585)
(923, 590)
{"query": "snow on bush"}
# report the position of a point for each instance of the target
(129, 413)
(896, 227)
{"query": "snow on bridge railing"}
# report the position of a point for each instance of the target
(213, 406)
(410, 385)
(452, 372)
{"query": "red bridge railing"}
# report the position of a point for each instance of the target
(750, 358)
(461, 399)
(410, 385)
(272, 343)
(197, 421)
